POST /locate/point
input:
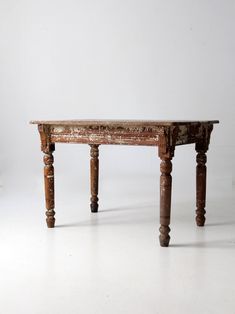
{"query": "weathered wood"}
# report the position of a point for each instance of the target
(48, 148)
(201, 170)
(164, 134)
(127, 123)
(49, 186)
(104, 134)
(201, 187)
(94, 177)
(165, 201)
(166, 153)
(122, 132)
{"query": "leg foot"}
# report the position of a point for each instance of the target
(50, 218)
(200, 218)
(164, 237)
(94, 205)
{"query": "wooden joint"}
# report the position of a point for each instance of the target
(167, 142)
(203, 141)
(46, 144)
(94, 152)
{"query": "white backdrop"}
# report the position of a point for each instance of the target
(115, 59)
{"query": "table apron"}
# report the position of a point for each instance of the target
(123, 139)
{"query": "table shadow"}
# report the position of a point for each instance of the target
(222, 223)
(213, 244)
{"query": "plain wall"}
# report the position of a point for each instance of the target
(115, 59)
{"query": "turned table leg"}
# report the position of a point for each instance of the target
(94, 176)
(165, 201)
(49, 185)
(201, 184)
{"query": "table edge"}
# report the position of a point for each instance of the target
(122, 122)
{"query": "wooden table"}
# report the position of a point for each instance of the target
(164, 134)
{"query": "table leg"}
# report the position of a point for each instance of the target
(201, 184)
(165, 201)
(49, 185)
(94, 177)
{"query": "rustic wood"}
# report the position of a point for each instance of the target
(164, 134)
(201, 187)
(201, 158)
(165, 201)
(166, 153)
(94, 173)
(48, 148)
(127, 123)
(49, 186)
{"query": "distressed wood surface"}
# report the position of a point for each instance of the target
(165, 200)
(201, 147)
(49, 186)
(106, 135)
(128, 123)
(166, 153)
(165, 135)
(201, 187)
(94, 177)
(124, 132)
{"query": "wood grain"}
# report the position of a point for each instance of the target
(94, 177)
(49, 187)
(165, 135)
(201, 147)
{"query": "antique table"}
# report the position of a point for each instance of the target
(164, 134)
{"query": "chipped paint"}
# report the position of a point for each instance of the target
(104, 134)
(165, 135)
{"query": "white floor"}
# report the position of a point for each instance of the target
(111, 262)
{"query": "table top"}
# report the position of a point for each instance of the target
(123, 123)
